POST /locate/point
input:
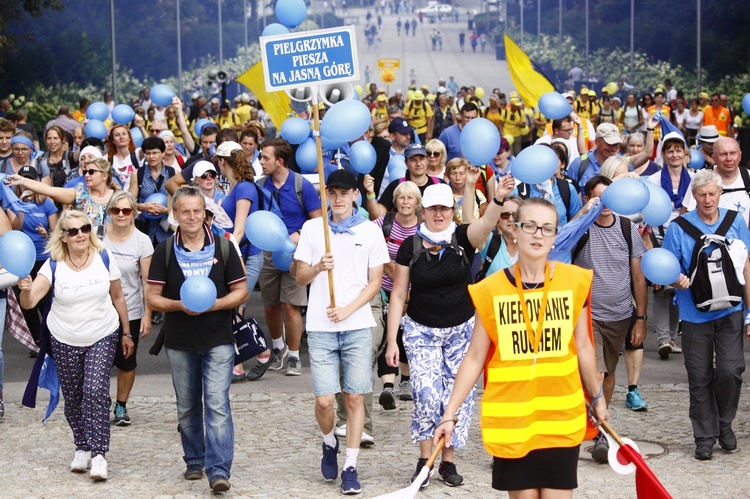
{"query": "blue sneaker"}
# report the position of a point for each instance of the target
(349, 483)
(329, 465)
(634, 401)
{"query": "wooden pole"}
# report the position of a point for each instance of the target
(323, 200)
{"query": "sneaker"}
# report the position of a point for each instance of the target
(98, 469)
(220, 484)
(193, 472)
(675, 348)
(727, 439)
(81, 461)
(121, 416)
(258, 370)
(340, 431)
(449, 475)
(704, 449)
(277, 360)
(420, 464)
(665, 349)
(634, 401)
(2, 409)
(349, 483)
(404, 390)
(601, 449)
(329, 464)
(238, 377)
(366, 440)
(387, 399)
(293, 366)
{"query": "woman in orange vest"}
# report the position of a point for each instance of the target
(532, 337)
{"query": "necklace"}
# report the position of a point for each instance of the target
(533, 286)
(70, 257)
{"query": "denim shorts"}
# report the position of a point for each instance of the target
(253, 265)
(329, 349)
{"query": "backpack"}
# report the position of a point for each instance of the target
(713, 280)
(524, 192)
(745, 181)
(626, 233)
(59, 172)
(492, 249)
(297, 189)
(388, 227)
(419, 249)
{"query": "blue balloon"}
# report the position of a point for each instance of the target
(122, 114)
(480, 141)
(659, 207)
(534, 164)
(158, 198)
(275, 29)
(162, 95)
(396, 167)
(137, 136)
(746, 103)
(97, 111)
(626, 196)
(96, 129)
(362, 156)
(17, 253)
(291, 13)
(346, 120)
(660, 266)
(295, 130)
(329, 145)
(307, 155)
(282, 260)
(268, 232)
(696, 159)
(554, 106)
(198, 293)
(199, 124)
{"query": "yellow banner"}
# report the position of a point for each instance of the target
(530, 84)
(276, 104)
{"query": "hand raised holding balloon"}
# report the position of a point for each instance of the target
(25, 283)
(653, 122)
(369, 184)
(505, 186)
(472, 175)
(138, 120)
(682, 283)
(576, 119)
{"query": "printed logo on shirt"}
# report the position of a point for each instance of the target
(514, 343)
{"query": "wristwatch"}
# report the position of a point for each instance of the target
(499, 203)
(641, 317)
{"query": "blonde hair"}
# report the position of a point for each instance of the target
(436, 144)
(610, 165)
(454, 164)
(409, 188)
(105, 167)
(117, 196)
(56, 245)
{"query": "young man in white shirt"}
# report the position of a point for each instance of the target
(339, 332)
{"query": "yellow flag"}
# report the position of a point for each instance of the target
(276, 104)
(529, 82)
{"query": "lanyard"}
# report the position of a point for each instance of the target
(535, 335)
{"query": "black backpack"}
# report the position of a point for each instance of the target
(524, 192)
(492, 249)
(419, 249)
(626, 233)
(713, 280)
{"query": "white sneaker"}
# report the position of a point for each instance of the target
(98, 468)
(340, 431)
(81, 461)
(366, 440)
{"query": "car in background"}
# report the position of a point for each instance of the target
(435, 8)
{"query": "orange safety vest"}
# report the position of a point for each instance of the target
(720, 118)
(532, 400)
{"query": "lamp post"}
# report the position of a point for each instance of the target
(587, 36)
(632, 42)
(221, 42)
(520, 4)
(114, 56)
(698, 42)
(538, 17)
(179, 52)
(559, 27)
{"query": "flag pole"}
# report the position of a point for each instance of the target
(322, 176)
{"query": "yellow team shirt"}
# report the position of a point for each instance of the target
(418, 116)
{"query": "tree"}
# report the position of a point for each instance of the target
(12, 11)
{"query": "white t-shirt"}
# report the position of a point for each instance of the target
(694, 122)
(125, 168)
(82, 312)
(738, 201)
(680, 117)
(656, 179)
(354, 256)
(128, 255)
(571, 144)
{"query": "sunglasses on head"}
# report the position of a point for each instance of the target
(73, 232)
(124, 211)
(90, 171)
(208, 174)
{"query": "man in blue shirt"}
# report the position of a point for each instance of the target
(282, 295)
(714, 391)
(451, 135)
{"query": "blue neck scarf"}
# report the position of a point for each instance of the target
(194, 263)
(666, 184)
(345, 226)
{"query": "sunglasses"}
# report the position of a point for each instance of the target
(124, 211)
(507, 214)
(434, 154)
(91, 171)
(208, 174)
(73, 232)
